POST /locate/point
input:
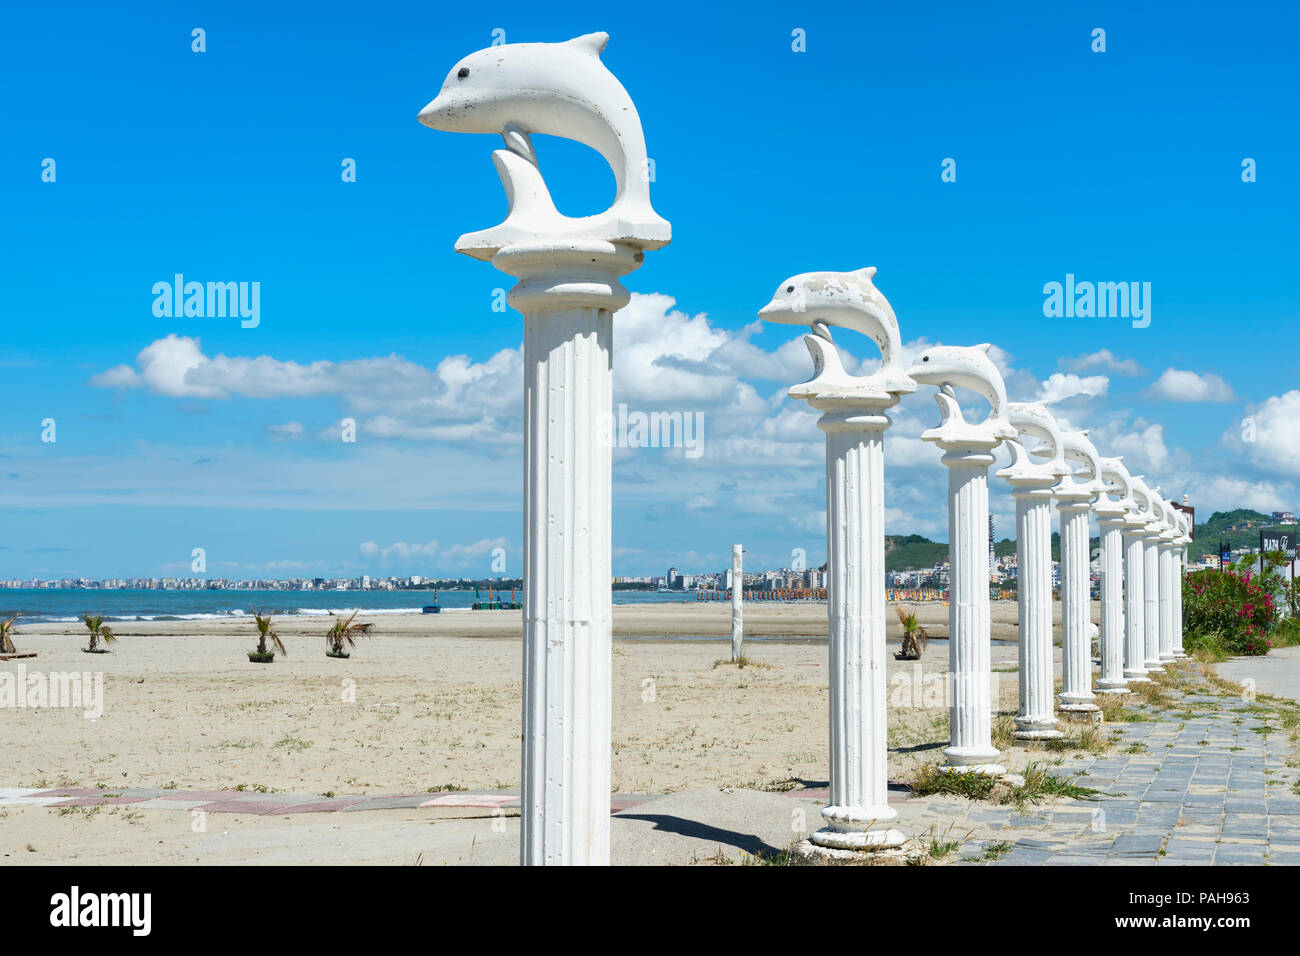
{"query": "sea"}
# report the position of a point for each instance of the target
(60, 604)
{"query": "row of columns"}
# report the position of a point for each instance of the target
(569, 288)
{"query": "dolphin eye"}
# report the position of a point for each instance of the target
(925, 358)
(789, 288)
(462, 73)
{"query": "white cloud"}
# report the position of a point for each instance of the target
(1141, 444)
(475, 556)
(1275, 424)
(291, 431)
(1104, 359)
(1178, 385)
(1060, 387)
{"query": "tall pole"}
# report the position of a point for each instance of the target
(737, 602)
(568, 292)
(854, 420)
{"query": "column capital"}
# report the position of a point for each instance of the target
(568, 273)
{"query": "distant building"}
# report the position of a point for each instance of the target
(1283, 517)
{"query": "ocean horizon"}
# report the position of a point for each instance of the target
(56, 605)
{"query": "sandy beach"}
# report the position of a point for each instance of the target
(433, 701)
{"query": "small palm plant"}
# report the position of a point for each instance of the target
(6, 636)
(914, 636)
(98, 631)
(265, 632)
(342, 633)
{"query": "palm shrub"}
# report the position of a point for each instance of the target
(98, 631)
(343, 632)
(265, 632)
(1228, 611)
(6, 636)
(914, 636)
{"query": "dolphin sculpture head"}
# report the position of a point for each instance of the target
(1119, 483)
(556, 89)
(847, 300)
(950, 366)
(1032, 419)
(1079, 448)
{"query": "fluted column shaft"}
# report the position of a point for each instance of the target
(1076, 647)
(1135, 670)
(1112, 607)
(1151, 603)
(567, 624)
(1180, 571)
(1165, 557)
(855, 565)
(969, 646)
(1036, 720)
(568, 294)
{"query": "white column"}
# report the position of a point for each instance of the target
(737, 602)
(568, 271)
(1032, 490)
(855, 554)
(1076, 645)
(1151, 601)
(854, 419)
(567, 623)
(968, 451)
(1180, 570)
(969, 642)
(1135, 669)
(1165, 556)
(1111, 524)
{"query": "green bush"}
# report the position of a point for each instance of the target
(1227, 611)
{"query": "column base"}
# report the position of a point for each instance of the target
(1180, 655)
(1168, 657)
(830, 838)
(1112, 685)
(973, 760)
(808, 853)
(1074, 702)
(1037, 728)
(1153, 667)
(1136, 677)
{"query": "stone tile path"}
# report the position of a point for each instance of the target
(1208, 782)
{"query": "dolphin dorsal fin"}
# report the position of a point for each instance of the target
(593, 43)
(984, 346)
(868, 273)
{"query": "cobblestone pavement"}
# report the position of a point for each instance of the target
(1210, 781)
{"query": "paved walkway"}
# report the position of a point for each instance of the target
(1211, 781)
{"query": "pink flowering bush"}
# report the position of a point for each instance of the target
(1228, 611)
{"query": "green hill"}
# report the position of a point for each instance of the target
(1238, 529)
(914, 553)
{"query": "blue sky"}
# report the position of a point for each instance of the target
(225, 166)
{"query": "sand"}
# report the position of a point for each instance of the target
(432, 702)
